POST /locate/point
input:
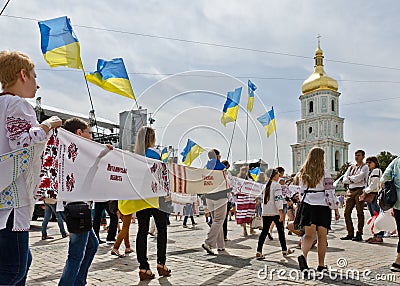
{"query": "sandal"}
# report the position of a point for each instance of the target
(163, 270)
(116, 252)
(259, 255)
(287, 252)
(128, 250)
(47, 237)
(375, 240)
(146, 274)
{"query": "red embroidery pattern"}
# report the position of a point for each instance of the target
(48, 174)
(17, 126)
(72, 152)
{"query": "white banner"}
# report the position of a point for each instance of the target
(189, 180)
(88, 171)
(247, 187)
(183, 198)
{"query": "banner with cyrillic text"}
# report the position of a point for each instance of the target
(189, 180)
(88, 171)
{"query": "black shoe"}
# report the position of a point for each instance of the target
(302, 262)
(347, 237)
(101, 241)
(357, 238)
(322, 268)
(395, 267)
(270, 236)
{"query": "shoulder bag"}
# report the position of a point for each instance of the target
(78, 217)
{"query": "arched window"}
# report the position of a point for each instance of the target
(310, 129)
(311, 107)
(337, 161)
(333, 105)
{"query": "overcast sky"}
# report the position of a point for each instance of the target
(360, 40)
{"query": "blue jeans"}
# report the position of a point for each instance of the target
(51, 208)
(81, 251)
(374, 207)
(15, 256)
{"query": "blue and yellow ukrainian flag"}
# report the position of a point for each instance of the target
(231, 106)
(164, 155)
(191, 152)
(268, 121)
(112, 76)
(251, 88)
(254, 173)
(60, 46)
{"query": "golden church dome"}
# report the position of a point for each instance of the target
(319, 79)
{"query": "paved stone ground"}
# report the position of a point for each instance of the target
(236, 266)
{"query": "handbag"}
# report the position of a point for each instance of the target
(388, 195)
(257, 222)
(78, 217)
(299, 212)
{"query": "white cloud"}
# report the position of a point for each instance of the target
(356, 31)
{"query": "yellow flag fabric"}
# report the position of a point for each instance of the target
(131, 206)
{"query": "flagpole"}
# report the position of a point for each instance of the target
(141, 119)
(230, 144)
(247, 130)
(91, 102)
(276, 143)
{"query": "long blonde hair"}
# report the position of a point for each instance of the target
(146, 137)
(313, 168)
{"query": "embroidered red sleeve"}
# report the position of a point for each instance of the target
(16, 127)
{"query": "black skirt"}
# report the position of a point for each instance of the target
(317, 215)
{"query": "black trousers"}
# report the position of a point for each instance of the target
(225, 225)
(98, 209)
(397, 218)
(160, 219)
(267, 220)
(186, 218)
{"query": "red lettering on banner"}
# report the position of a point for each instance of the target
(115, 178)
(116, 169)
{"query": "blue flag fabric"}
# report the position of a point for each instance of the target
(268, 121)
(59, 44)
(112, 76)
(192, 151)
(231, 106)
(251, 88)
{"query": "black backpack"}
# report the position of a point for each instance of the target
(387, 197)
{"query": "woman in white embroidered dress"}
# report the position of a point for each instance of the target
(19, 128)
(316, 214)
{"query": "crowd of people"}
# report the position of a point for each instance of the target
(309, 211)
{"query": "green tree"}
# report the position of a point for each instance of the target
(384, 159)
